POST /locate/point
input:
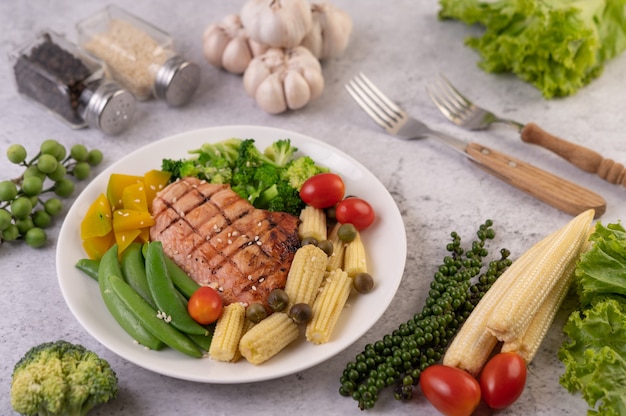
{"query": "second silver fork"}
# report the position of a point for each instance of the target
(464, 113)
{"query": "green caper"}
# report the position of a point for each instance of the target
(301, 313)
(346, 232)
(255, 312)
(363, 282)
(308, 240)
(278, 300)
(326, 246)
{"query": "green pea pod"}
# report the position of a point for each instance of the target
(89, 267)
(164, 293)
(134, 271)
(202, 341)
(149, 317)
(185, 284)
(109, 265)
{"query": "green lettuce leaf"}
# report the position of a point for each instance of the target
(595, 357)
(602, 269)
(559, 46)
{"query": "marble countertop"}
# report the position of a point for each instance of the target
(401, 46)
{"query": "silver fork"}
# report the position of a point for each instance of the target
(464, 113)
(558, 192)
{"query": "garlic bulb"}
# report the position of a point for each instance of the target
(330, 31)
(226, 45)
(277, 23)
(284, 79)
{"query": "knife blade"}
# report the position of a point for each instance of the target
(554, 190)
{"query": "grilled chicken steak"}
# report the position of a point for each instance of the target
(222, 241)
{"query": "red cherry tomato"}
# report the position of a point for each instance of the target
(450, 390)
(323, 190)
(503, 379)
(205, 305)
(355, 211)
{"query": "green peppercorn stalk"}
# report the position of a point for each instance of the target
(399, 357)
(23, 213)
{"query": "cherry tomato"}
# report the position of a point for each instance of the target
(450, 390)
(205, 305)
(355, 211)
(502, 380)
(323, 190)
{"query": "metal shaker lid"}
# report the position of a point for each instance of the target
(110, 109)
(177, 81)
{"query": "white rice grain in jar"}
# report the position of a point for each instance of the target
(139, 56)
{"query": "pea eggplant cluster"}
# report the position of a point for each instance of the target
(399, 357)
(147, 294)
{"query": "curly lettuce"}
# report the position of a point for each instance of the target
(594, 355)
(559, 46)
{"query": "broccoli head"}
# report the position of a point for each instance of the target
(61, 378)
(301, 169)
(280, 152)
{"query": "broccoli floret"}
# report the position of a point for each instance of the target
(224, 152)
(61, 378)
(280, 152)
(286, 199)
(301, 169)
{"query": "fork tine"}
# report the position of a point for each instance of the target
(382, 110)
(448, 99)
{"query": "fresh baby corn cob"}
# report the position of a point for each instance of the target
(355, 260)
(475, 341)
(335, 260)
(247, 326)
(328, 306)
(268, 337)
(306, 274)
(228, 332)
(312, 223)
(511, 318)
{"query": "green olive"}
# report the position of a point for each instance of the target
(301, 313)
(346, 233)
(326, 246)
(363, 282)
(255, 312)
(308, 240)
(278, 300)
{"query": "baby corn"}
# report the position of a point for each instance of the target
(535, 281)
(355, 260)
(228, 332)
(306, 274)
(268, 337)
(335, 260)
(328, 306)
(312, 223)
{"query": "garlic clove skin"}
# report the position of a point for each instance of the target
(281, 80)
(226, 45)
(330, 31)
(277, 23)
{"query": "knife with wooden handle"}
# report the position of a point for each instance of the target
(582, 157)
(558, 192)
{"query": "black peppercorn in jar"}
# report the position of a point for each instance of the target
(139, 56)
(57, 75)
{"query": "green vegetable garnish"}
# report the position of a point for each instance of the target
(595, 353)
(559, 46)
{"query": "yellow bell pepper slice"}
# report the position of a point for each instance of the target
(97, 221)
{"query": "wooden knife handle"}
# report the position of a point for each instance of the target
(582, 157)
(545, 186)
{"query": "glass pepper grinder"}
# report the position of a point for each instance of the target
(139, 56)
(61, 78)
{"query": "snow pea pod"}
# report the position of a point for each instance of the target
(89, 267)
(185, 284)
(109, 265)
(164, 293)
(134, 271)
(148, 316)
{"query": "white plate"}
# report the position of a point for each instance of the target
(385, 243)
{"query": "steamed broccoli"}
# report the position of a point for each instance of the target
(270, 179)
(61, 378)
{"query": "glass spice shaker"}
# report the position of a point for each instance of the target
(55, 74)
(139, 56)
